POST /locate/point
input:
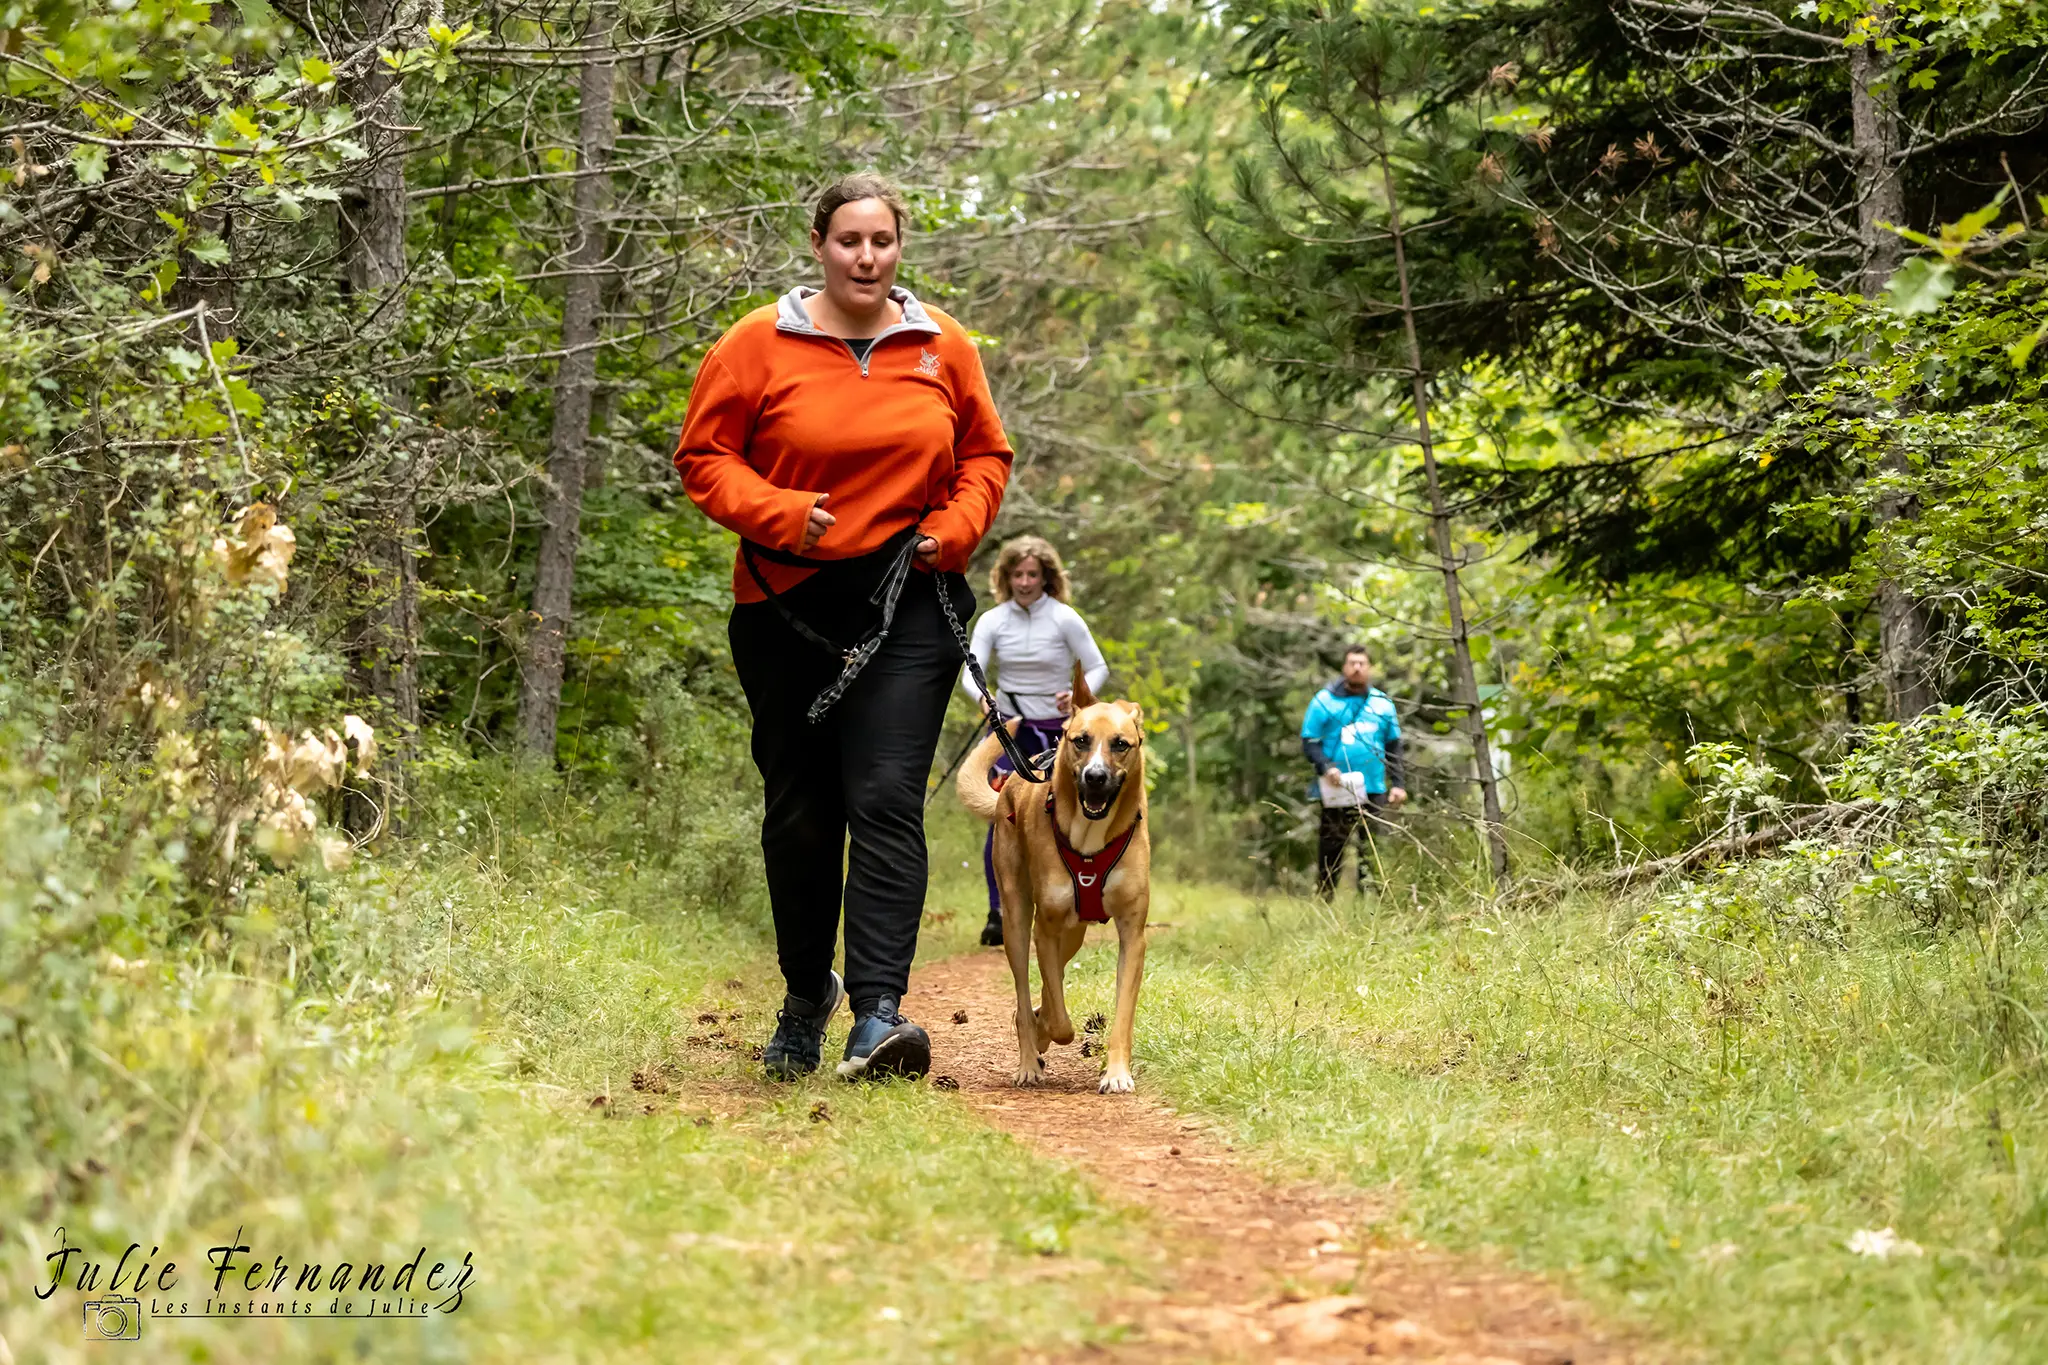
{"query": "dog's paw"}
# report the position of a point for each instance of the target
(1058, 1029)
(1028, 1076)
(1117, 1081)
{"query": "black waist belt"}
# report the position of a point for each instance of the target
(897, 553)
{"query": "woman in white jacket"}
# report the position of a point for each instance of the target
(1032, 639)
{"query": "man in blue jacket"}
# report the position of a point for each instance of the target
(1352, 738)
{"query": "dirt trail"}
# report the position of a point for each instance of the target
(1260, 1272)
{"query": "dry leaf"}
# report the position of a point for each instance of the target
(286, 771)
(335, 851)
(1317, 1322)
(259, 549)
(315, 763)
(358, 729)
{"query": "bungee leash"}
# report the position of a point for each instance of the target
(886, 595)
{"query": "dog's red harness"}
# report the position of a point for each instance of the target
(1088, 871)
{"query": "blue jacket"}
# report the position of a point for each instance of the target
(1354, 734)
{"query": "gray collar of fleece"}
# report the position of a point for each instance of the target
(791, 317)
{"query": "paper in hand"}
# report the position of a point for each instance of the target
(1343, 789)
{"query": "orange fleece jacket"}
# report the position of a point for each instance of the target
(781, 413)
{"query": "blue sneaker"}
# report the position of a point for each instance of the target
(799, 1040)
(883, 1044)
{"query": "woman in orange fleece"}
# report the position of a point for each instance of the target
(847, 435)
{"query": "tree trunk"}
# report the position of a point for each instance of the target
(554, 579)
(385, 637)
(1464, 682)
(1880, 199)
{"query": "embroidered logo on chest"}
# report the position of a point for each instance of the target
(928, 364)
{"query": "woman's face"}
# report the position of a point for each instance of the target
(860, 251)
(1027, 580)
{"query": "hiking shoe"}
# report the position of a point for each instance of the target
(883, 1043)
(799, 1039)
(992, 932)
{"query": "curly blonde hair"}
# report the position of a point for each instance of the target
(1019, 550)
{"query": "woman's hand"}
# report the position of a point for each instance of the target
(820, 522)
(1063, 702)
(927, 551)
(1396, 796)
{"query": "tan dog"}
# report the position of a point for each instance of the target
(1097, 812)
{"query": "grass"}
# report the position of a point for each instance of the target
(1688, 1153)
(441, 1047)
(437, 1088)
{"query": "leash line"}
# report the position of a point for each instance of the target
(853, 658)
(973, 735)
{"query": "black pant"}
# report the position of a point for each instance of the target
(1339, 824)
(860, 771)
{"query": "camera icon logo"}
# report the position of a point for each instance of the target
(113, 1320)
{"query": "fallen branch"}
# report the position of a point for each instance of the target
(1743, 847)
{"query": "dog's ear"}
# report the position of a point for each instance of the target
(1131, 709)
(1082, 696)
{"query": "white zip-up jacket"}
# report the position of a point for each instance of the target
(1034, 650)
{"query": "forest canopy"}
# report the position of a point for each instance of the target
(1726, 317)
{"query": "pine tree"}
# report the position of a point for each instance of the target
(554, 581)
(1334, 285)
(1664, 159)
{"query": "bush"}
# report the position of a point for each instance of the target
(1940, 826)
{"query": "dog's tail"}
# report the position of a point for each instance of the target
(975, 792)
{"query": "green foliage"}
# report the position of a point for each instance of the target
(1303, 288)
(407, 1053)
(225, 447)
(1942, 828)
(1643, 143)
(1942, 405)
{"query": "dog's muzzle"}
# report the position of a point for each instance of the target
(1099, 786)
